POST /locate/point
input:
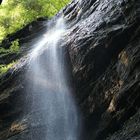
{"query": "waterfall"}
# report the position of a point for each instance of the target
(49, 86)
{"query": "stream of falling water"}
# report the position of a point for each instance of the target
(50, 86)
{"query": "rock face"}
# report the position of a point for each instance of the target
(104, 50)
(103, 47)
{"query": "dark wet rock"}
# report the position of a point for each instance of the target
(130, 130)
(103, 50)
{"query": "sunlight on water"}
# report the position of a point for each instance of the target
(50, 38)
(50, 87)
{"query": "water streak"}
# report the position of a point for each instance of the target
(50, 87)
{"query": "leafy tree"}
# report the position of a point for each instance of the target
(15, 14)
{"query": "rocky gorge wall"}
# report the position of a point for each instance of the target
(103, 49)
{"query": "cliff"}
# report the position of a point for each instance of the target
(102, 47)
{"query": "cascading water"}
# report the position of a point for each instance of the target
(49, 87)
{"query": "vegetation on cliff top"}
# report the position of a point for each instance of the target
(15, 14)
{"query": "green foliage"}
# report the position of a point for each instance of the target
(15, 14)
(14, 48)
(5, 68)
